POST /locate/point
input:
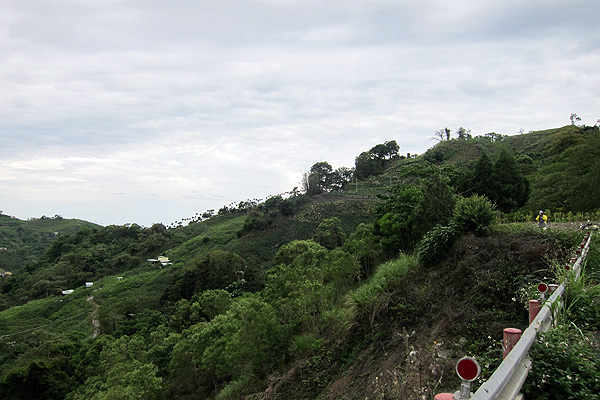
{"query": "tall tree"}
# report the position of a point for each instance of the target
(367, 164)
(510, 189)
(436, 205)
(392, 149)
(218, 269)
(442, 134)
(322, 172)
(310, 184)
(439, 135)
(330, 233)
(482, 175)
(365, 247)
(373, 162)
(341, 177)
(463, 133)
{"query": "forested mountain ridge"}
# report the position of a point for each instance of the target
(22, 242)
(367, 283)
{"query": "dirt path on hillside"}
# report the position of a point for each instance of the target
(564, 226)
(567, 226)
(95, 321)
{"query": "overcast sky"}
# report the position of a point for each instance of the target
(144, 111)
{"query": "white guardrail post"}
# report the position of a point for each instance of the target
(506, 382)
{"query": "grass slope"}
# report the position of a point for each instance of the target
(25, 241)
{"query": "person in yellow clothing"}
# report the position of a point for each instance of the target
(542, 220)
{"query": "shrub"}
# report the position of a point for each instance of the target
(436, 243)
(392, 273)
(304, 344)
(374, 297)
(474, 214)
(236, 388)
(565, 366)
(363, 244)
(566, 359)
(366, 304)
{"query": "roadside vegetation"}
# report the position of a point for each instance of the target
(566, 359)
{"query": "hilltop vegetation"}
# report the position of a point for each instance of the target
(22, 242)
(368, 283)
(560, 164)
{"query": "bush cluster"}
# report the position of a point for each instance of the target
(475, 214)
(565, 366)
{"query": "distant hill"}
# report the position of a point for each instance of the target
(23, 242)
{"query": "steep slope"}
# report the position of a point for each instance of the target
(436, 316)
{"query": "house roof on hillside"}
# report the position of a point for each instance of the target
(161, 259)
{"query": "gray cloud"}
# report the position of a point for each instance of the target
(149, 111)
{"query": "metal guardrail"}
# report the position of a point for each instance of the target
(506, 382)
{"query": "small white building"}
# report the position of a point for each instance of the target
(162, 260)
(89, 284)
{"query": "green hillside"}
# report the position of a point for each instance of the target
(22, 242)
(369, 283)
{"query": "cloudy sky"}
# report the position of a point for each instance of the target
(121, 111)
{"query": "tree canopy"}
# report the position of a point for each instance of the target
(409, 210)
(373, 162)
(503, 182)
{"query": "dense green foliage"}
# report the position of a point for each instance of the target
(412, 208)
(561, 166)
(474, 214)
(72, 260)
(437, 243)
(503, 182)
(566, 359)
(566, 184)
(330, 234)
(23, 242)
(218, 269)
(566, 365)
(374, 161)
